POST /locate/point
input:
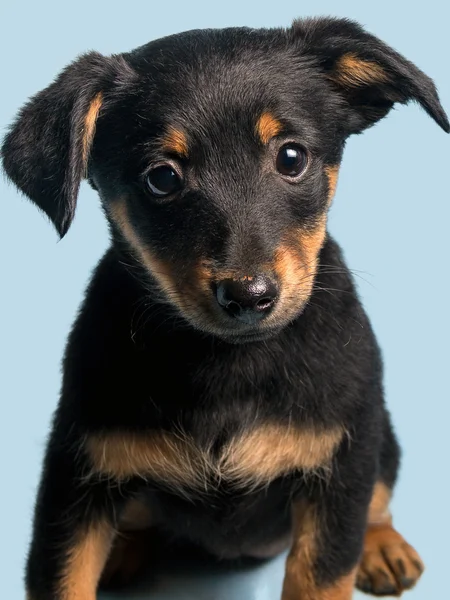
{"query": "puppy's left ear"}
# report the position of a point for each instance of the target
(47, 149)
(370, 75)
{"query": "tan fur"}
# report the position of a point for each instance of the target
(332, 173)
(85, 563)
(175, 141)
(379, 506)
(269, 451)
(311, 242)
(157, 268)
(190, 293)
(249, 460)
(388, 561)
(133, 545)
(129, 555)
(90, 121)
(268, 127)
(135, 516)
(296, 265)
(299, 581)
(354, 72)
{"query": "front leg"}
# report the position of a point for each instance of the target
(329, 523)
(73, 530)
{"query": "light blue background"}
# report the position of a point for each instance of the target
(390, 214)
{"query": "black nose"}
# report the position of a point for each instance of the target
(248, 299)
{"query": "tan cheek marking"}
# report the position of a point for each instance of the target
(190, 302)
(156, 267)
(90, 121)
(287, 266)
(379, 512)
(203, 276)
(175, 141)
(296, 265)
(85, 563)
(354, 72)
(311, 243)
(268, 127)
(332, 173)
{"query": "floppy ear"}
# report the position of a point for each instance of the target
(370, 75)
(47, 148)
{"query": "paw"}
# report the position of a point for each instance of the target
(389, 565)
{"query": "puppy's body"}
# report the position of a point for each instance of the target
(222, 383)
(322, 370)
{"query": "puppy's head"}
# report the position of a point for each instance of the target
(216, 156)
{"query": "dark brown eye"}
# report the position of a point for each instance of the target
(163, 181)
(291, 160)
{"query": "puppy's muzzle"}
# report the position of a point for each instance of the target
(247, 299)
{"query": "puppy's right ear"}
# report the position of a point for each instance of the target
(47, 148)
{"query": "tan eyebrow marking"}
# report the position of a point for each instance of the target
(268, 127)
(175, 141)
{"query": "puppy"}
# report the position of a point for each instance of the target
(222, 385)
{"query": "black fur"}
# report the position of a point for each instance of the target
(136, 361)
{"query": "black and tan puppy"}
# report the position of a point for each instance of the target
(222, 384)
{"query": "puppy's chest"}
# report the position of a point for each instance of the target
(246, 460)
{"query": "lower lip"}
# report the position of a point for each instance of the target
(260, 336)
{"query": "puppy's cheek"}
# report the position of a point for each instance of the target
(332, 174)
(186, 290)
(296, 266)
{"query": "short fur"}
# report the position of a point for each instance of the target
(174, 416)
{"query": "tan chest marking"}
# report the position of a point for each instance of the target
(248, 460)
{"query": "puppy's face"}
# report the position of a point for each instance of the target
(216, 156)
(219, 176)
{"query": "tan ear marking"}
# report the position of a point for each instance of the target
(175, 141)
(268, 127)
(90, 121)
(354, 72)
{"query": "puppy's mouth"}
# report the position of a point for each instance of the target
(249, 337)
(234, 305)
(239, 310)
(258, 313)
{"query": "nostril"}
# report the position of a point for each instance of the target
(264, 303)
(233, 308)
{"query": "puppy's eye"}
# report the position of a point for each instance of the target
(291, 160)
(163, 181)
